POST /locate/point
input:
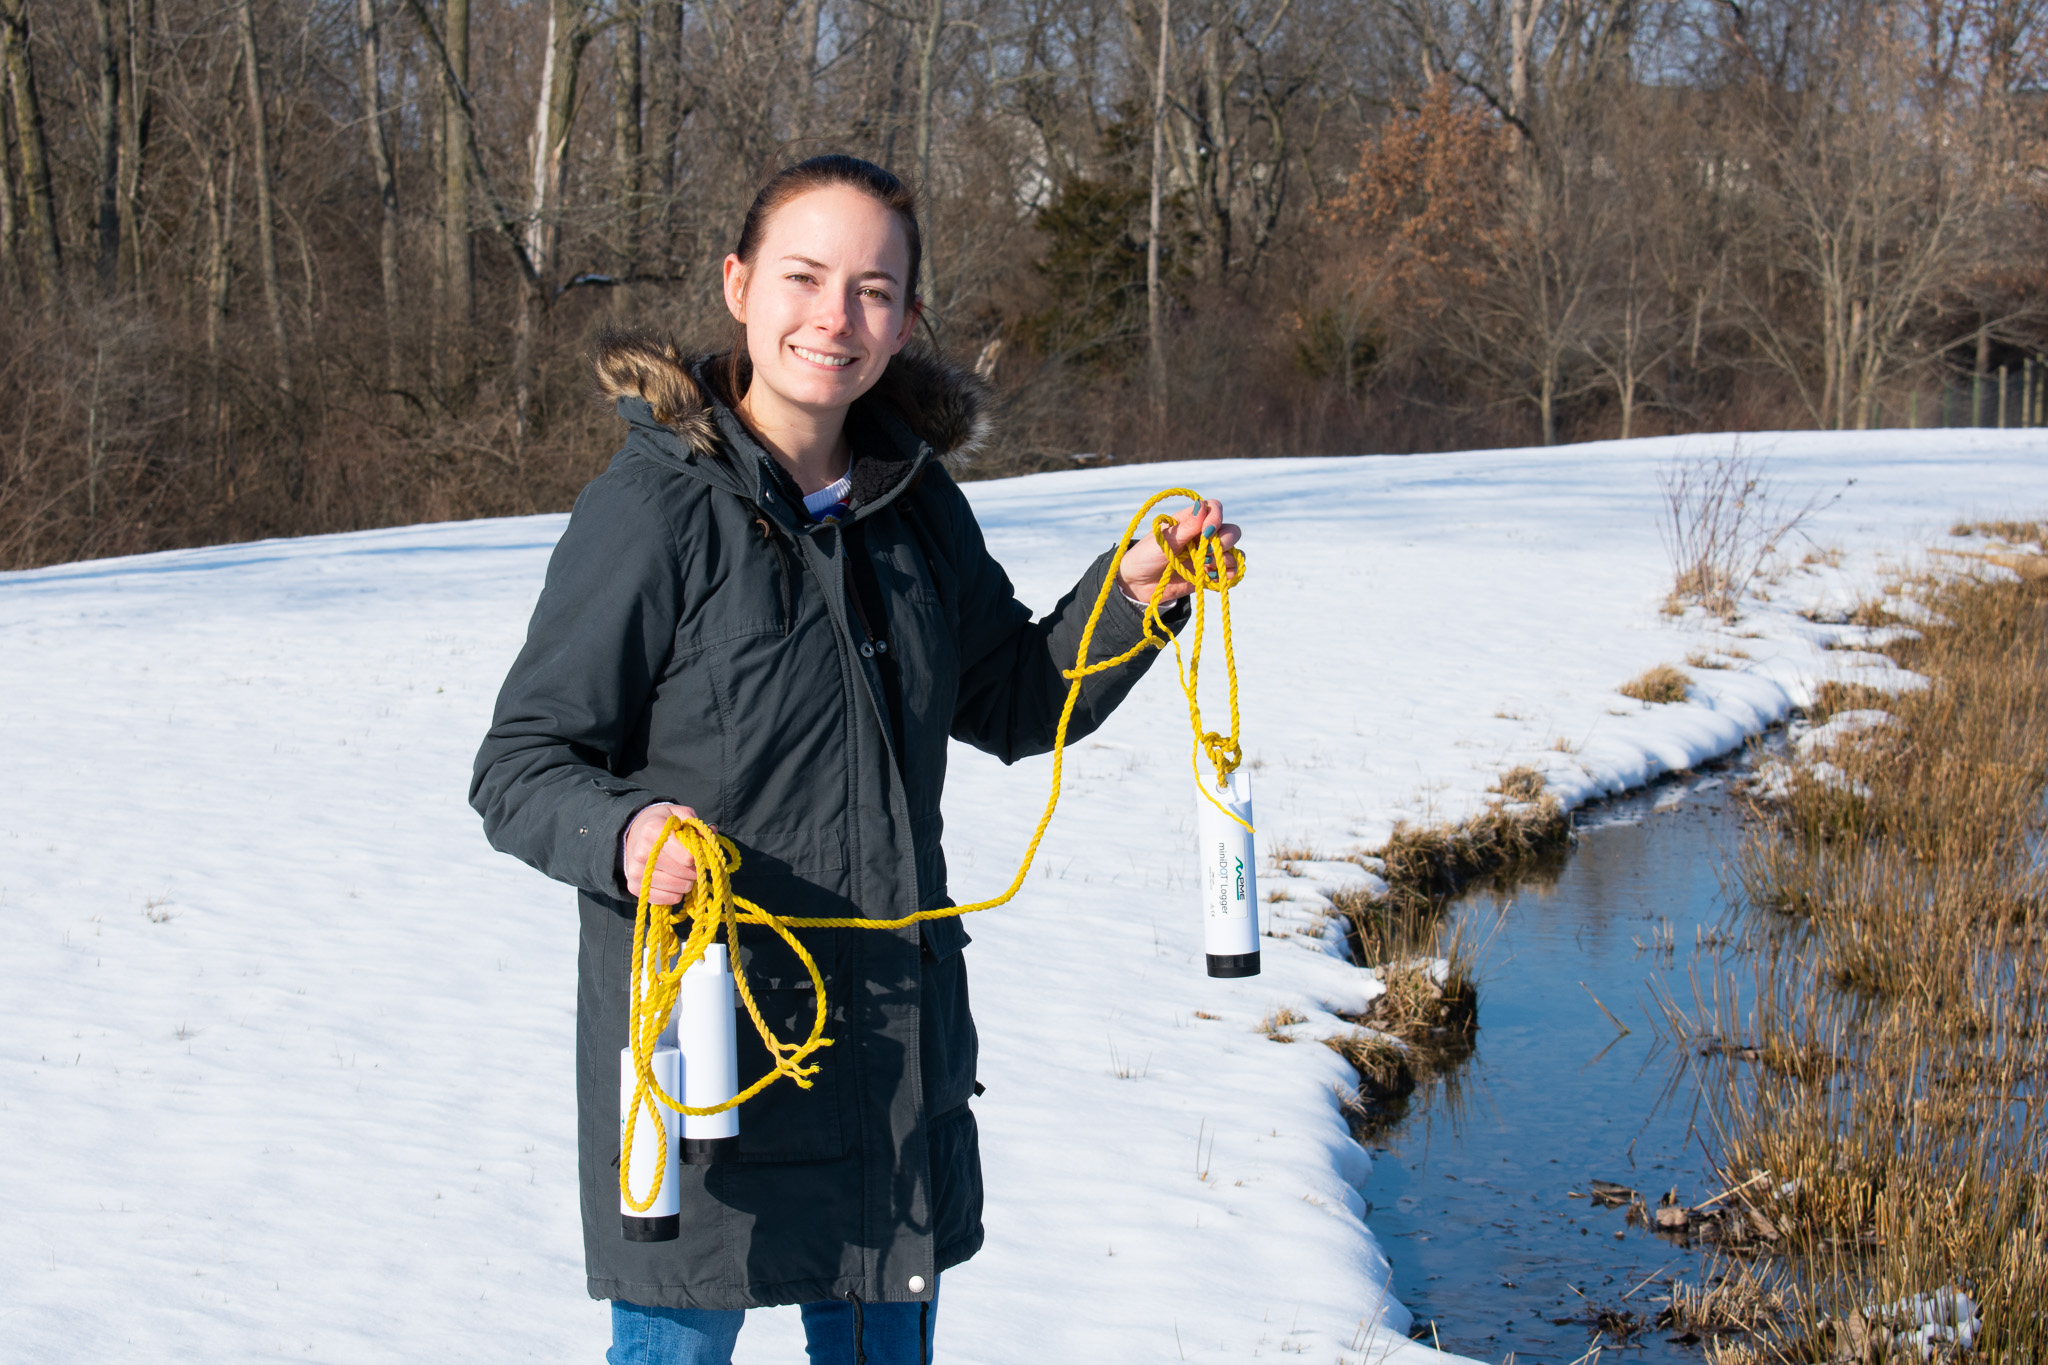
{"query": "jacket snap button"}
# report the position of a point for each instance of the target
(917, 1284)
(867, 651)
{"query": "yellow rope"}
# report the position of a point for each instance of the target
(661, 955)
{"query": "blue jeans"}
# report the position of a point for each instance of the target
(891, 1333)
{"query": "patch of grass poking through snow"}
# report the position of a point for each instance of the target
(1276, 1024)
(1521, 783)
(1660, 685)
(1881, 1092)
(2009, 532)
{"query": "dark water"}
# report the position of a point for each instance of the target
(1473, 1192)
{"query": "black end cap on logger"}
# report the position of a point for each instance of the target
(664, 1229)
(710, 1151)
(1233, 964)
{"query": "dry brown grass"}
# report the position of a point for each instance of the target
(1274, 1025)
(1661, 684)
(1890, 1060)
(1746, 1298)
(2011, 532)
(1383, 1066)
(1429, 863)
(1521, 783)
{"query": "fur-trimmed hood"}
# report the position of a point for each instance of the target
(945, 405)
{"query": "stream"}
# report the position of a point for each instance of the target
(1481, 1193)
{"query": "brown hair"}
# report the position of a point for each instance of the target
(791, 182)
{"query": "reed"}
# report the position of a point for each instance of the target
(1877, 1084)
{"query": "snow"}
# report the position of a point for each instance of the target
(1926, 1324)
(1840, 727)
(288, 1047)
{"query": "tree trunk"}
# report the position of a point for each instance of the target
(509, 226)
(1216, 111)
(1854, 391)
(1521, 35)
(458, 302)
(1547, 402)
(891, 117)
(664, 76)
(807, 62)
(10, 223)
(220, 215)
(38, 207)
(1977, 377)
(387, 185)
(266, 211)
(553, 110)
(108, 135)
(626, 161)
(135, 128)
(1155, 340)
(927, 58)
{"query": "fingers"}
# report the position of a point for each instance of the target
(675, 871)
(1144, 564)
(1205, 518)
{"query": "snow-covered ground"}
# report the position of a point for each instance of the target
(287, 1048)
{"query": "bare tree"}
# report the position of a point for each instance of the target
(266, 212)
(1243, 226)
(1155, 342)
(39, 202)
(372, 68)
(627, 92)
(569, 33)
(107, 227)
(1870, 202)
(455, 150)
(138, 112)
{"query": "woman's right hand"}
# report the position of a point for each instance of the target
(675, 871)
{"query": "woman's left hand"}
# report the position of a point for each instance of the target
(1143, 564)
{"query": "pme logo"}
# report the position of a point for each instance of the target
(1240, 878)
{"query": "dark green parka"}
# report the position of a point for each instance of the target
(698, 641)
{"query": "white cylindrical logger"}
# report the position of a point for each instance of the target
(706, 1031)
(1230, 897)
(654, 1134)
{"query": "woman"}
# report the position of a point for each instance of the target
(771, 612)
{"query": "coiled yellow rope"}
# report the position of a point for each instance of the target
(661, 954)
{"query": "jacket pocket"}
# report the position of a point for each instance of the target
(949, 1046)
(956, 1186)
(942, 937)
(787, 1122)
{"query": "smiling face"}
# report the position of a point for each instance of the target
(824, 303)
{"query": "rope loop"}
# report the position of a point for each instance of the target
(669, 940)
